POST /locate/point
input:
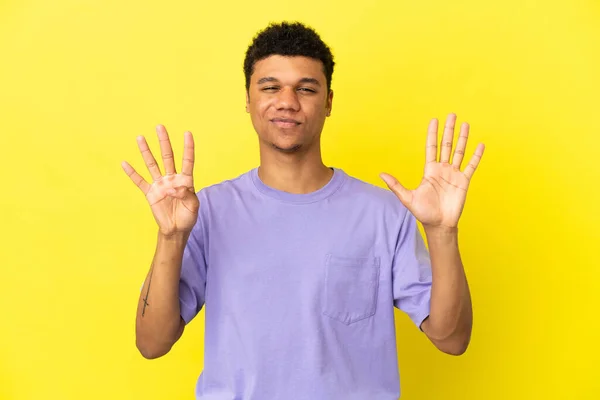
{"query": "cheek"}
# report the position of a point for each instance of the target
(259, 114)
(260, 110)
(315, 113)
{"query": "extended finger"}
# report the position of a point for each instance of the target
(475, 159)
(149, 158)
(187, 166)
(135, 177)
(403, 194)
(166, 150)
(431, 150)
(461, 144)
(447, 138)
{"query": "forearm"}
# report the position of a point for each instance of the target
(158, 321)
(450, 321)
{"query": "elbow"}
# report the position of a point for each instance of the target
(152, 345)
(150, 348)
(455, 346)
(454, 349)
(453, 343)
(149, 351)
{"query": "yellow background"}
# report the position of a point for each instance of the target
(80, 79)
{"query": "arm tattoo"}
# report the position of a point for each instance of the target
(147, 292)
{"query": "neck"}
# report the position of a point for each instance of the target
(294, 173)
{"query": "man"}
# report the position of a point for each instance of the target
(300, 265)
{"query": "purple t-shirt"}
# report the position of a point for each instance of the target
(299, 289)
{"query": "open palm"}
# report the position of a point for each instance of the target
(440, 198)
(172, 197)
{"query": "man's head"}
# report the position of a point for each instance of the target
(288, 39)
(288, 71)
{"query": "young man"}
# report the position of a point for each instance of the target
(300, 265)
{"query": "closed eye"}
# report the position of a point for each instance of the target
(275, 88)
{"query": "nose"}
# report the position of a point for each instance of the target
(287, 99)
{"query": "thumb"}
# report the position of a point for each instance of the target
(401, 192)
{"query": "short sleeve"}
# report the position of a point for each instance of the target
(192, 283)
(411, 272)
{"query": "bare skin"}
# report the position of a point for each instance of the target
(174, 204)
(437, 203)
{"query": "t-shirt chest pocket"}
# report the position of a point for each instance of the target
(351, 288)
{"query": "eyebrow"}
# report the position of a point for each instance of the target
(272, 79)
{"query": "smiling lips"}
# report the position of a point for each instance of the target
(285, 122)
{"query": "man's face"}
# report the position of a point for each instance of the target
(288, 102)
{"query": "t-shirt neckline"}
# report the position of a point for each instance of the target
(327, 190)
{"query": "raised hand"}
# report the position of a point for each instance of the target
(171, 196)
(440, 198)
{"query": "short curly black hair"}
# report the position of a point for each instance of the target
(288, 39)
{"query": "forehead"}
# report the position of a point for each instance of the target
(288, 69)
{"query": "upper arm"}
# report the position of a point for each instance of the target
(192, 281)
(411, 273)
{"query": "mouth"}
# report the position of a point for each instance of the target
(285, 122)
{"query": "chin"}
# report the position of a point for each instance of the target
(287, 145)
(289, 149)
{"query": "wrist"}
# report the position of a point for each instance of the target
(174, 238)
(441, 235)
(440, 230)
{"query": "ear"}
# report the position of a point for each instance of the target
(247, 102)
(329, 102)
